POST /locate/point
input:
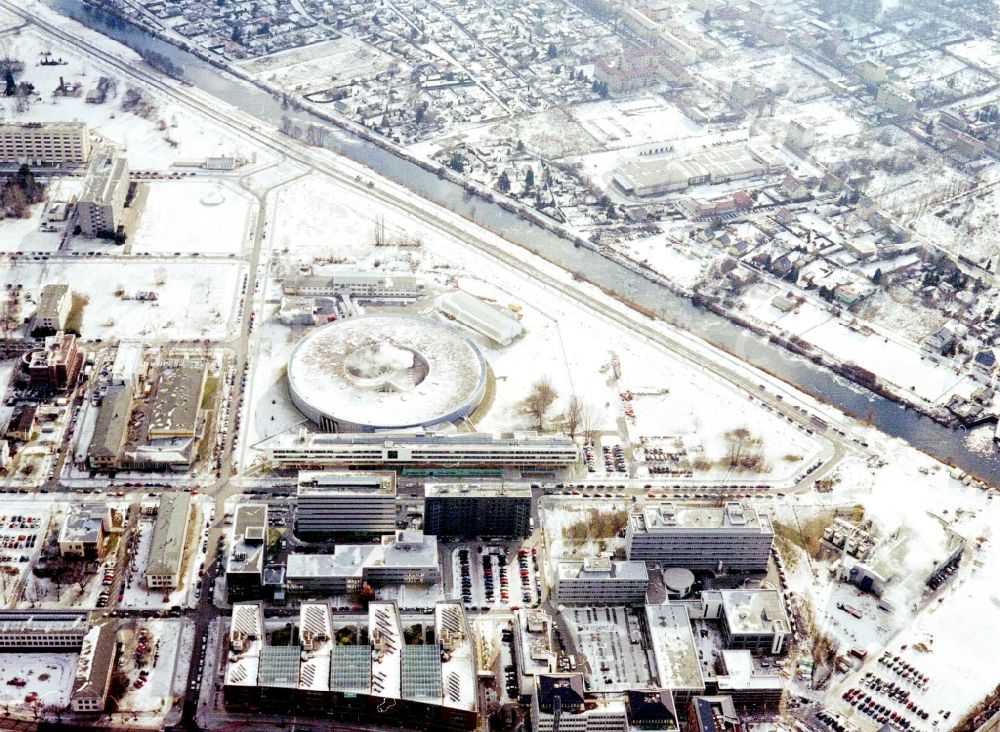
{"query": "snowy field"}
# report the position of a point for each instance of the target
(48, 675)
(642, 120)
(901, 493)
(169, 134)
(193, 216)
(315, 67)
(894, 360)
(195, 299)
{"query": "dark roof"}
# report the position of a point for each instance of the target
(986, 358)
(650, 706)
(567, 687)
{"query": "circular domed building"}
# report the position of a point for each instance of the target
(377, 372)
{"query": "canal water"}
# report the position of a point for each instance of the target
(942, 442)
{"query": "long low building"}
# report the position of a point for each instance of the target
(306, 450)
(480, 317)
(42, 630)
(385, 680)
(359, 285)
(166, 553)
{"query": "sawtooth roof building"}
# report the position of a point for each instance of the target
(385, 681)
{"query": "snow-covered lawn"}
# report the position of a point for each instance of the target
(49, 675)
(195, 299)
(187, 216)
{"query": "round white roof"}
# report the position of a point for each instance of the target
(678, 579)
(385, 372)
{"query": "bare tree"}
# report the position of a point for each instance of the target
(539, 401)
(573, 415)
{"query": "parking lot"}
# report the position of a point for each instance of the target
(495, 576)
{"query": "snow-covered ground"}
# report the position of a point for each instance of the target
(48, 675)
(193, 216)
(899, 494)
(195, 300)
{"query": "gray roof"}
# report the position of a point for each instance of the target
(112, 423)
(178, 399)
(50, 301)
(169, 533)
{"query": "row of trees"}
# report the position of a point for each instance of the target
(578, 417)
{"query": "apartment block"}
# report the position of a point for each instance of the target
(36, 143)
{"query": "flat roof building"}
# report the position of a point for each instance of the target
(305, 450)
(677, 666)
(483, 509)
(247, 546)
(601, 581)
(54, 305)
(560, 703)
(482, 317)
(734, 537)
(127, 366)
(751, 690)
(360, 285)
(754, 620)
(46, 631)
(331, 503)
(101, 206)
(409, 557)
(713, 714)
(166, 553)
(55, 366)
(39, 143)
(177, 404)
(84, 532)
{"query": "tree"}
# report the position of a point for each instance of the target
(457, 163)
(529, 178)
(877, 277)
(504, 182)
(539, 400)
(11, 86)
(552, 50)
(573, 415)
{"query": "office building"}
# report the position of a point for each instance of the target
(408, 558)
(127, 367)
(54, 305)
(331, 503)
(166, 554)
(84, 533)
(56, 366)
(601, 581)
(484, 509)
(713, 714)
(677, 664)
(176, 406)
(49, 631)
(247, 546)
(560, 704)
(751, 689)
(753, 620)
(36, 143)
(734, 538)
(470, 450)
(101, 206)
(359, 285)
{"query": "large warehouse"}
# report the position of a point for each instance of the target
(378, 372)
